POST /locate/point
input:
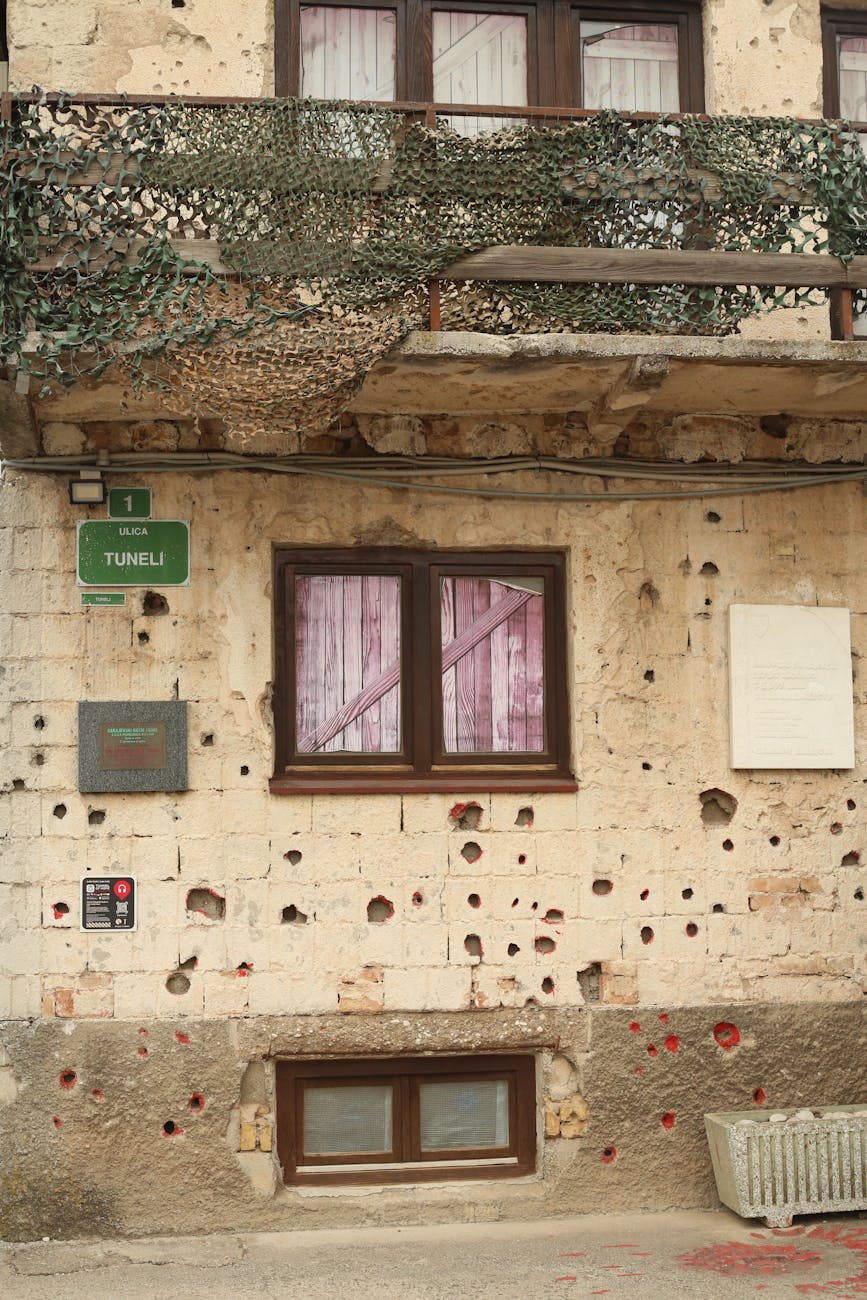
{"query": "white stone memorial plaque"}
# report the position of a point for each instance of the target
(790, 676)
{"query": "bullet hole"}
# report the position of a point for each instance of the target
(648, 595)
(775, 426)
(196, 1102)
(728, 845)
(652, 1050)
(685, 566)
(836, 828)
(646, 934)
(686, 893)
(143, 1032)
(97, 1095)
(726, 1035)
(649, 675)
(208, 739)
(851, 805)
(154, 604)
(39, 723)
(179, 4)
(181, 1037)
(39, 759)
(712, 517)
(602, 887)
(707, 600)
(465, 816)
(189, 963)
(590, 981)
(96, 817)
(647, 767)
(667, 1120)
(60, 909)
(57, 1121)
(531, 1002)
(718, 807)
(524, 817)
(522, 858)
(644, 895)
(774, 841)
(859, 895)
(293, 857)
(292, 916)
(718, 907)
(850, 859)
(609, 1155)
(177, 983)
(639, 1069)
(170, 1129)
(68, 1079)
(143, 638)
(634, 1027)
(417, 898)
(513, 950)
(379, 909)
(474, 900)
(691, 929)
(759, 1096)
(243, 968)
(471, 852)
(672, 1043)
(205, 902)
(709, 569)
(663, 1016)
(515, 902)
(547, 984)
(553, 916)
(544, 944)
(60, 810)
(473, 945)
(143, 1053)
(534, 907)
(245, 771)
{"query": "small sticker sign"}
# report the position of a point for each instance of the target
(129, 503)
(114, 598)
(108, 903)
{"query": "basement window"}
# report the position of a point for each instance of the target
(403, 670)
(406, 1120)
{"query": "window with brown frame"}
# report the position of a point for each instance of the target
(406, 1120)
(844, 88)
(635, 55)
(400, 669)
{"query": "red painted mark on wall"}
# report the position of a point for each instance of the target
(727, 1035)
(644, 895)
(651, 1050)
(181, 1037)
(609, 1155)
(59, 910)
(663, 1016)
(672, 1043)
(635, 1027)
(243, 968)
(143, 1052)
(143, 1032)
(196, 1102)
(57, 1121)
(668, 1119)
(97, 1094)
(759, 1096)
(639, 1069)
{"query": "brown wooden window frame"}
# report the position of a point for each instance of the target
(422, 764)
(553, 48)
(836, 23)
(406, 1163)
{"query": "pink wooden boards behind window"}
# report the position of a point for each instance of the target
(348, 664)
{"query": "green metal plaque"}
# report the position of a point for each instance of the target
(103, 598)
(153, 553)
(129, 503)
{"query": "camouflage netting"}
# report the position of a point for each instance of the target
(330, 219)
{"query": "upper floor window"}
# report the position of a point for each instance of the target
(844, 39)
(630, 56)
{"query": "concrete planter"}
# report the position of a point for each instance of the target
(776, 1169)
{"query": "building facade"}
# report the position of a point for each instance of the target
(450, 901)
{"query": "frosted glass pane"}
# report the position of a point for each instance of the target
(455, 1115)
(347, 1121)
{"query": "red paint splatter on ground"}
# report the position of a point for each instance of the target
(651, 1050)
(621, 1245)
(726, 1035)
(604, 1291)
(672, 1043)
(663, 1016)
(668, 1119)
(567, 1277)
(632, 1275)
(635, 1027)
(574, 1254)
(739, 1258)
(182, 1037)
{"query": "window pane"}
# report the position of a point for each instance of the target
(479, 59)
(347, 663)
(853, 77)
(632, 69)
(347, 53)
(455, 1115)
(348, 1121)
(492, 660)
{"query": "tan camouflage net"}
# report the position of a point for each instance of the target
(330, 218)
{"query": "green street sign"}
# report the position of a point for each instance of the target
(103, 598)
(129, 503)
(153, 553)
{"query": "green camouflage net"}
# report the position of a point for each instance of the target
(322, 222)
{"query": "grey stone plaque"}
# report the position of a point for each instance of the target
(125, 746)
